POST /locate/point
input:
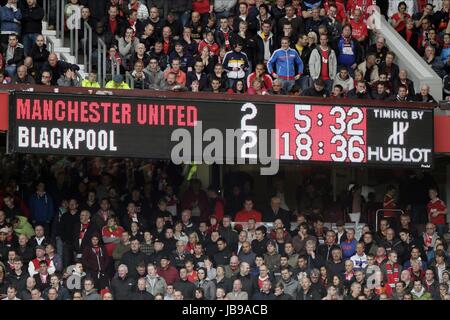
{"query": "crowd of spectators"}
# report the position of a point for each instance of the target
(103, 228)
(292, 47)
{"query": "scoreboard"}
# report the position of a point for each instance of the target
(229, 130)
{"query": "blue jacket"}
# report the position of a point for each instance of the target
(444, 54)
(347, 54)
(348, 248)
(41, 208)
(7, 16)
(285, 61)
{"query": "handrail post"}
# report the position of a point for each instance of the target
(76, 44)
(58, 13)
(61, 21)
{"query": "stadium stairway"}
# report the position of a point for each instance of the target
(60, 47)
(407, 58)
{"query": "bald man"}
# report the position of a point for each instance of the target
(57, 67)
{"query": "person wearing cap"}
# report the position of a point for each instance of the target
(167, 271)
(159, 252)
(117, 83)
(34, 265)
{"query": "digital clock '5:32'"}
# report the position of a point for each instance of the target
(321, 133)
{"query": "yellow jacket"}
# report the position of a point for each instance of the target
(87, 84)
(112, 85)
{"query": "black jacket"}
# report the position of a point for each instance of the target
(26, 254)
(123, 289)
(312, 92)
(429, 98)
(269, 216)
(32, 20)
(310, 295)
(132, 260)
(352, 94)
(41, 285)
(230, 236)
(86, 241)
(186, 287)
(259, 48)
(325, 250)
(142, 295)
(58, 70)
(260, 247)
(66, 226)
(39, 55)
(249, 284)
(98, 8)
(20, 282)
(335, 269)
(18, 56)
(191, 77)
(222, 257)
(263, 296)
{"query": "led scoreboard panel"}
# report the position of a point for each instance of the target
(153, 127)
(355, 134)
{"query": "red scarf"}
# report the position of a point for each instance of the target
(427, 239)
(392, 274)
(83, 229)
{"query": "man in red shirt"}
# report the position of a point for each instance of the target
(359, 28)
(437, 211)
(248, 213)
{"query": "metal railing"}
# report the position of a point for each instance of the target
(87, 47)
(60, 4)
(115, 67)
(46, 7)
(74, 41)
(101, 59)
(50, 44)
(129, 79)
(382, 211)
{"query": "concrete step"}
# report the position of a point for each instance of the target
(49, 32)
(61, 49)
